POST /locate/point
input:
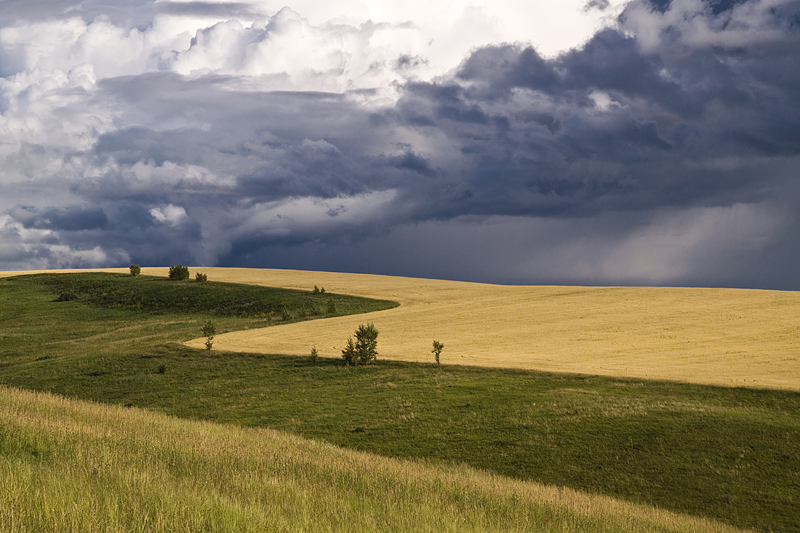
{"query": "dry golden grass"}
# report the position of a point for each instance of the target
(71, 466)
(726, 337)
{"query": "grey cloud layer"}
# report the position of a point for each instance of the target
(665, 150)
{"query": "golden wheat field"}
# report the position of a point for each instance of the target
(729, 337)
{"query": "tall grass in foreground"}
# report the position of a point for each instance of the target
(68, 465)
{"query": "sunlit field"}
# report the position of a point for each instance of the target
(711, 336)
(731, 337)
(67, 465)
(727, 453)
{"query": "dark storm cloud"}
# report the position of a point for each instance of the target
(666, 139)
(716, 6)
(665, 113)
(146, 239)
(70, 219)
(608, 127)
(276, 145)
(410, 161)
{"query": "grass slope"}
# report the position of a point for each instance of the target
(157, 295)
(732, 454)
(74, 466)
(37, 328)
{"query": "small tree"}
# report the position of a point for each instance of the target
(178, 272)
(437, 350)
(314, 353)
(136, 270)
(209, 331)
(349, 352)
(200, 277)
(365, 348)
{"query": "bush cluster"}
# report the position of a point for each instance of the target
(179, 272)
(365, 348)
(67, 296)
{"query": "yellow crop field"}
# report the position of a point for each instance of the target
(711, 336)
(728, 337)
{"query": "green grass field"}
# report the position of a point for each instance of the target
(67, 465)
(724, 453)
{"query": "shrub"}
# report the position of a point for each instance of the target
(178, 272)
(67, 296)
(314, 354)
(162, 368)
(365, 348)
(437, 350)
(200, 277)
(209, 330)
(136, 270)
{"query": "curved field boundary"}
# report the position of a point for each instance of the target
(729, 337)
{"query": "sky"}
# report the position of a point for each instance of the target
(579, 142)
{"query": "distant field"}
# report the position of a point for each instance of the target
(729, 337)
(67, 465)
(710, 336)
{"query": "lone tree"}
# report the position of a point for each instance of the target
(365, 348)
(178, 272)
(209, 330)
(437, 350)
(136, 270)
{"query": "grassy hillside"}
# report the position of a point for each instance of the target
(73, 466)
(117, 314)
(732, 454)
(159, 295)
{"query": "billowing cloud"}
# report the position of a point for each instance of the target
(660, 146)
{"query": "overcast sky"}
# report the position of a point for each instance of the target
(644, 142)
